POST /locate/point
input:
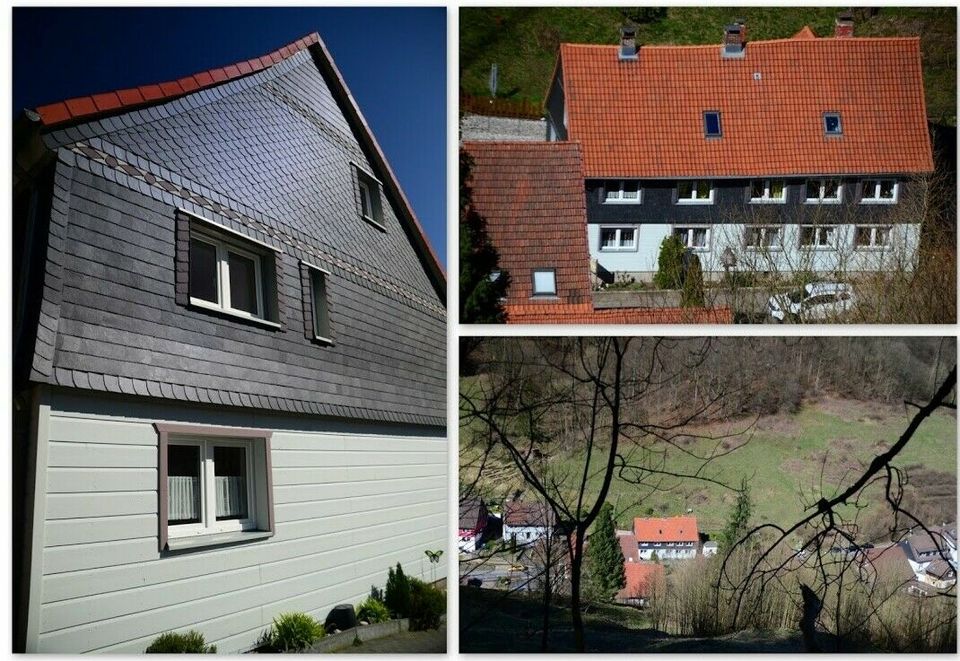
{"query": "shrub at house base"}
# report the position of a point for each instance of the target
(190, 642)
(291, 632)
(427, 606)
(372, 611)
(670, 263)
(397, 598)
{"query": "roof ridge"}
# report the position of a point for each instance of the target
(86, 108)
(788, 40)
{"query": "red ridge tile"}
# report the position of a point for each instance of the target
(107, 101)
(130, 97)
(53, 113)
(82, 105)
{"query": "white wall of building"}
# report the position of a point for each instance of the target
(350, 500)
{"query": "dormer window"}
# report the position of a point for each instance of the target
(831, 123)
(622, 191)
(711, 124)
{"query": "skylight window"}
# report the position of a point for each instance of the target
(831, 123)
(711, 124)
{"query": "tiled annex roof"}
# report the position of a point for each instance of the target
(585, 313)
(644, 118)
(641, 578)
(670, 529)
(532, 197)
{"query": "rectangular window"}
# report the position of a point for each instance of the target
(316, 303)
(226, 275)
(817, 236)
(763, 238)
(622, 191)
(215, 486)
(870, 236)
(368, 196)
(694, 192)
(614, 239)
(768, 190)
(544, 282)
(879, 191)
(831, 123)
(824, 191)
(696, 238)
(711, 124)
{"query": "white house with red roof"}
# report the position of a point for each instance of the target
(670, 538)
(797, 154)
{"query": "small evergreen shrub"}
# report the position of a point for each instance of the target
(692, 294)
(373, 611)
(427, 606)
(190, 642)
(291, 632)
(670, 263)
(398, 593)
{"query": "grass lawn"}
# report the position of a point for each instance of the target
(524, 41)
(783, 456)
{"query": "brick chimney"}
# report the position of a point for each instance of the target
(844, 26)
(735, 39)
(628, 42)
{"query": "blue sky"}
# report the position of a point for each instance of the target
(393, 59)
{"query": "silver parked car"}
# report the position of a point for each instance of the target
(816, 302)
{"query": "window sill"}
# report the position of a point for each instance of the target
(319, 339)
(637, 202)
(878, 202)
(544, 297)
(809, 201)
(216, 539)
(818, 248)
(759, 201)
(379, 226)
(695, 202)
(614, 250)
(204, 305)
(871, 248)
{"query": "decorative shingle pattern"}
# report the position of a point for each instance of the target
(584, 313)
(532, 196)
(644, 118)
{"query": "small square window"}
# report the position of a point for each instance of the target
(831, 123)
(613, 239)
(711, 124)
(879, 191)
(368, 196)
(213, 485)
(824, 191)
(762, 238)
(695, 238)
(622, 191)
(767, 190)
(817, 236)
(869, 236)
(694, 192)
(544, 282)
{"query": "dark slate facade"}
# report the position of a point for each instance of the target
(731, 204)
(271, 157)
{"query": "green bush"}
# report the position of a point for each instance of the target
(291, 632)
(191, 642)
(670, 263)
(398, 593)
(373, 611)
(427, 605)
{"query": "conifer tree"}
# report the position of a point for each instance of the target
(603, 558)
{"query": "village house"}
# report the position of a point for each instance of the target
(670, 538)
(781, 156)
(229, 360)
(933, 556)
(525, 523)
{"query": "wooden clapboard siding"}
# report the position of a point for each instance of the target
(349, 504)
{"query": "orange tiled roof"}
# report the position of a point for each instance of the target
(532, 196)
(89, 107)
(584, 313)
(644, 118)
(641, 579)
(670, 529)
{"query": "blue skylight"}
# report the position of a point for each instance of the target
(831, 123)
(711, 124)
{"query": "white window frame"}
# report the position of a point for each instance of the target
(223, 248)
(324, 275)
(693, 191)
(766, 198)
(533, 282)
(688, 241)
(208, 493)
(873, 237)
(823, 184)
(620, 246)
(820, 237)
(763, 238)
(366, 200)
(875, 197)
(369, 190)
(620, 199)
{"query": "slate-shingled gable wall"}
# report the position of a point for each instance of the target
(271, 155)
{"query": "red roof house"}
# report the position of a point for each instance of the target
(642, 580)
(669, 538)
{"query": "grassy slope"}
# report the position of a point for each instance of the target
(523, 41)
(781, 456)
